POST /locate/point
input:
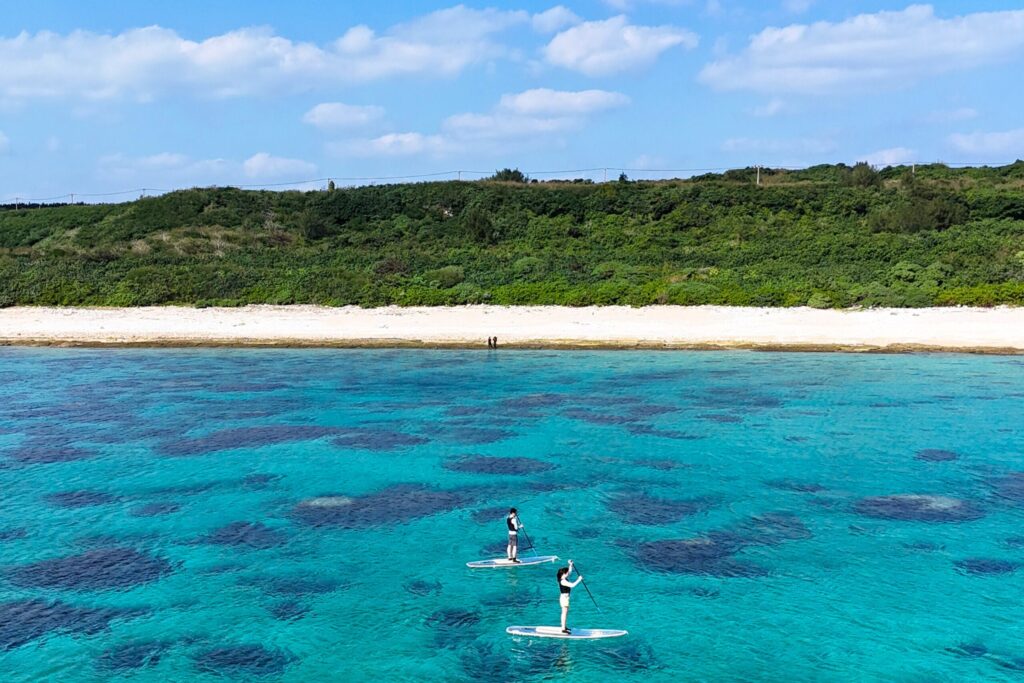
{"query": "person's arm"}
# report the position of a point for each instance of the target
(519, 524)
(575, 583)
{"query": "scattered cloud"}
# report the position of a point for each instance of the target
(554, 19)
(890, 157)
(338, 115)
(53, 144)
(797, 6)
(952, 115)
(167, 169)
(562, 102)
(144, 64)
(599, 48)
(394, 144)
(529, 116)
(628, 5)
(772, 107)
(263, 165)
(5, 143)
(885, 49)
(1001, 145)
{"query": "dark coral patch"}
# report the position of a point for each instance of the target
(93, 570)
(1011, 487)
(22, 621)
(12, 534)
(130, 656)
(259, 480)
(35, 453)
(245, 437)
(490, 515)
(721, 418)
(919, 508)
(771, 528)
(378, 440)
(453, 626)
(246, 534)
(970, 650)
(982, 566)
(628, 656)
(80, 499)
(587, 532)
(242, 660)
(662, 465)
(699, 556)
(155, 509)
(640, 508)
(795, 485)
(392, 505)
(535, 401)
(485, 464)
(936, 455)
(598, 418)
(288, 610)
(648, 430)
(422, 587)
(462, 411)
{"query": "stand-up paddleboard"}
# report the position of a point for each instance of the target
(505, 562)
(556, 632)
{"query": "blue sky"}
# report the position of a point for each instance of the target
(107, 95)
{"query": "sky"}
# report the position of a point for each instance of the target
(110, 96)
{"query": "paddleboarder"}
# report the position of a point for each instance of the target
(565, 586)
(514, 525)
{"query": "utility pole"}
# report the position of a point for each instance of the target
(758, 175)
(460, 175)
(605, 175)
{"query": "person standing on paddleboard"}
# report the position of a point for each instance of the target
(565, 586)
(514, 525)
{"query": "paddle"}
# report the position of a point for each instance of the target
(585, 586)
(525, 535)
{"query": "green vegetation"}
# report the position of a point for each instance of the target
(826, 236)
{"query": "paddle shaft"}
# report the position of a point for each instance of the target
(525, 535)
(585, 586)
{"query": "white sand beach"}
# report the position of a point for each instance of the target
(995, 330)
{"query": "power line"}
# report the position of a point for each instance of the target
(458, 174)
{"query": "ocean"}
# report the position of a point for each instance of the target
(306, 515)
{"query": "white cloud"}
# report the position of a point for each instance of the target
(952, 115)
(890, 157)
(598, 48)
(339, 115)
(770, 108)
(263, 165)
(394, 144)
(1002, 145)
(547, 101)
(556, 18)
(868, 51)
(809, 145)
(532, 116)
(167, 169)
(147, 63)
(797, 6)
(628, 5)
(5, 143)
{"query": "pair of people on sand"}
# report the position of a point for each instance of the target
(565, 585)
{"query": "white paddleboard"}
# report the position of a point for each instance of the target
(556, 632)
(504, 562)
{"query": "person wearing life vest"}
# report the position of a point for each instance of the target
(514, 525)
(565, 586)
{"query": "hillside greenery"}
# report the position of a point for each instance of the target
(828, 236)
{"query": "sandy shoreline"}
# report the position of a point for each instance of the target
(996, 330)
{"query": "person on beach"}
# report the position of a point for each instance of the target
(565, 586)
(514, 525)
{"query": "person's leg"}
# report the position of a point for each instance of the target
(565, 614)
(515, 547)
(508, 550)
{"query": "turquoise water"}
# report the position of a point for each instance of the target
(180, 515)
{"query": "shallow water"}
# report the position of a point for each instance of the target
(174, 515)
